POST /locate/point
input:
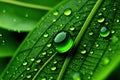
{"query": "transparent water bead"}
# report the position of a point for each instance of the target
(67, 12)
(104, 32)
(101, 20)
(55, 13)
(62, 42)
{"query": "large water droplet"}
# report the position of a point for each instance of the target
(62, 42)
(67, 12)
(101, 20)
(76, 76)
(104, 32)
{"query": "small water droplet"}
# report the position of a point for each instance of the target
(91, 52)
(32, 59)
(55, 13)
(43, 79)
(104, 9)
(29, 76)
(55, 62)
(104, 32)
(84, 45)
(49, 45)
(101, 20)
(72, 28)
(4, 11)
(45, 35)
(0, 35)
(106, 61)
(91, 33)
(28, 69)
(35, 69)
(22, 75)
(26, 15)
(50, 52)
(89, 77)
(83, 52)
(54, 20)
(114, 39)
(25, 63)
(53, 68)
(67, 12)
(62, 42)
(38, 61)
(118, 20)
(100, 14)
(77, 17)
(76, 76)
(112, 31)
(51, 78)
(44, 53)
(114, 9)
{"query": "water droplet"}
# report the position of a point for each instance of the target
(32, 59)
(114, 9)
(54, 20)
(55, 13)
(89, 77)
(35, 69)
(91, 33)
(22, 75)
(62, 42)
(97, 45)
(29, 76)
(104, 9)
(118, 20)
(101, 20)
(106, 61)
(50, 52)
(72, 28)
(53, 68)
(43, 79)
(44, 53)
(104, 32)
(38, 61)
(112, 31)
(50, 78)
(55, 62)
(91, 52)
(67, 12)
(26, 15)
(76, 76)
(45, 35)
(84, 45)
(77, 17)
(100, 14)
(114, 39)
(4, 11)
(25, 63)
(83, 52)
(28, 69)
(49, 45)
(0, 35)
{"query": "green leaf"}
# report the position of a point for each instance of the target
(94, 27)
(9, 42)
(22, 16)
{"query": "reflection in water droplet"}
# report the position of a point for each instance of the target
(45, 35)
(55, 13)
(101, 20)
(29, 76)
(49, 45)
(25, 63)
(104, 32)
(67, 12)
(106, 61)
(76, 76)
(53, 68)
(114, 39)
(62, 42)
(72, 28)
(83, 52)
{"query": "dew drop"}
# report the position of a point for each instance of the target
(29, 76)
(97, 45)
(112, 31)
(35, 69)
(55, 62)
(45, 35)
(91, 33)
(25, 63)
(38, 61)
(72, 28)
(62, 42)
(54, 20)
(55, 13)
(104, 9)
(28, 69)
(118, 20)
(32, 59)
(22, 75)
(53, 68)
(76, 76)
(91, 52)
(44, 53)
(0, 35)
(51, 78)
(100, 14)
(49, 45)
(67, 12)
(84, 45)
(106, 61)
(43, 79)
(101, 20)
(50, 52)
(104, 32)
(83, 52)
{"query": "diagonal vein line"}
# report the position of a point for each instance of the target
(78, 38)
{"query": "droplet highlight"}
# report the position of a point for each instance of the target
(104, 32)
(62, 42)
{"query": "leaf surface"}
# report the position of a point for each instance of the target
(36, 58)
